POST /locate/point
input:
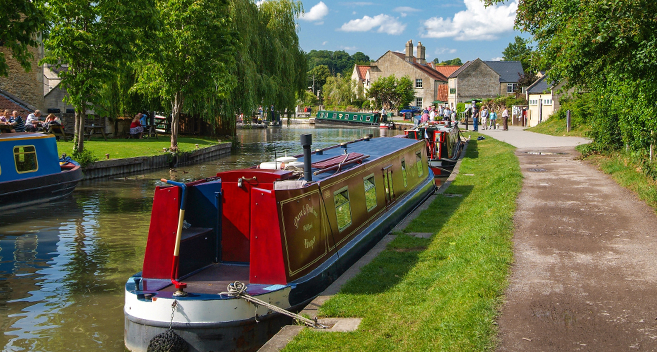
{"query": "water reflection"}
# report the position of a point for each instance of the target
(63, 265)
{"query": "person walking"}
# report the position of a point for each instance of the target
(505, 118)
(475, 117)
(484, 117)
(493, 121)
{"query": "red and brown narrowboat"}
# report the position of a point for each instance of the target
(286, 230)
(443, 144)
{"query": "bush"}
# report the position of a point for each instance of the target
(84, 158)
(460, 107)
(366, 105)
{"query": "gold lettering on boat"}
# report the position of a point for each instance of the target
(307, 209)
(309, 244)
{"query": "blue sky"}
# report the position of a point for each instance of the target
(447, 28)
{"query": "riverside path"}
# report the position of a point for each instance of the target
(585, 270)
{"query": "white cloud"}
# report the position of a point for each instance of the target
(348, 48)
(404, 10)
(325, 42)
(386, 24)
(441, 51)
(477, 22)
(497, 59)
(316, 13)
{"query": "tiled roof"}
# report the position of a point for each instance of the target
(442, 92)
(509, 71)
(460, 69)
(424, 68)
(9, 103)
(447, 70)
(362, 71)
(540, 86)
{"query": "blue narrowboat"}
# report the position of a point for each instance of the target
(31, 172)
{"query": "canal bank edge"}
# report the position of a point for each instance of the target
(288, 332)
(115, 167)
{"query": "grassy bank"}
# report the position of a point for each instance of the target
(441, 293)
(129, 148)
(628, 174)
(555, 126)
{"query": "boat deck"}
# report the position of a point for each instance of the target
(214, 278)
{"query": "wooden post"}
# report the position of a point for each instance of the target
(568, 121)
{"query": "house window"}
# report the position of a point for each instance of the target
(26, 159)
(418, 83)
(511, 87)
(452, 91)
(418, 164)
(342, 208)
(533, 101)
(418, 102)
(403, 165)
(370, 192)
(547, 101)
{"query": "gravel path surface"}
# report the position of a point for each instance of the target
(585, 271)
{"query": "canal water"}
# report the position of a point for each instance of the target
(63, 265)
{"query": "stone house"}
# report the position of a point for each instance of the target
(361, 75)
(479, 79)
(429, 84)
(20, 90)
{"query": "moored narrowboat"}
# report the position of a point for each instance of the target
(285, 229)
(31, 172)
(353, 119)
(443, 144)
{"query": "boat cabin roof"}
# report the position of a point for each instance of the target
(373, 148)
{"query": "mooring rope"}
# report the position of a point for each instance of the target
(238, 289)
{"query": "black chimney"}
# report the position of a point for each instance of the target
(306, 142)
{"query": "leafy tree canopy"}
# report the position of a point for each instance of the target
(519, 50)
(21, 22)
(452, 62)
(337, 61)
(392, 93)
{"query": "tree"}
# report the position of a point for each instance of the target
(452, 62)
(338, 91)
(359, 58)
(319, 74)
(519, 50)
(21, 23)
(392, 93)
(605, 47)
(190, 55)
(92, 39)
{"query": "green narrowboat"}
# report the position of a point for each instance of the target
(354, 119)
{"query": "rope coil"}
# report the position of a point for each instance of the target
(238, 289)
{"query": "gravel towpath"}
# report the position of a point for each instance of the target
(585, 270)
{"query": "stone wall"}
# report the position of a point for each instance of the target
(26, 86)
(55, 100)
(477, 81)
(390, 64)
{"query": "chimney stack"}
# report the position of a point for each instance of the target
(420, 54)
(409, 51)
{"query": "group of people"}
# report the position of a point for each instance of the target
(488, 119)
(137, 125)
(429, 114)
(31, 124)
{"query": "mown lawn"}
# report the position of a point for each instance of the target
(128, 148)
(443, 293)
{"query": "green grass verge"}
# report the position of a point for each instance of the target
(129, 148)
(627, 174)
(443, 293)
(557, 127)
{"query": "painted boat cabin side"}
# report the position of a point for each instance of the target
(283, 227)
(26, 155)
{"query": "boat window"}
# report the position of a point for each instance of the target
(370, 192)
(404, 173)
(418, 162)
(25, 158)
(387, 183)
(369, 118)
(342, 208)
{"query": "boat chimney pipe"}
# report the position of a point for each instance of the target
(306, 142)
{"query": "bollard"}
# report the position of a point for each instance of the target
(568, 121)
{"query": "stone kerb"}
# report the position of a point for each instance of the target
(107, 168)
